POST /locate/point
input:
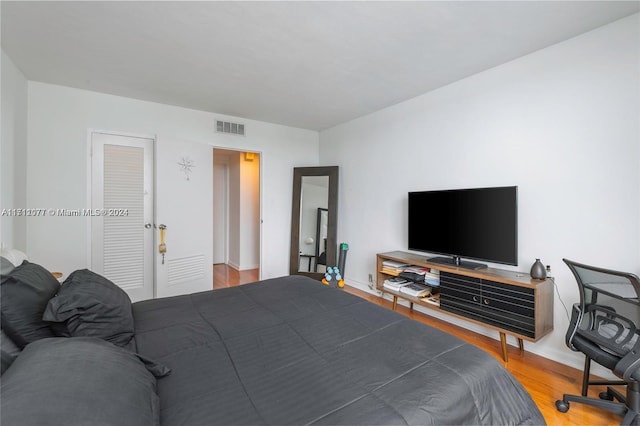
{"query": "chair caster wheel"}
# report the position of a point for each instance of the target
(562, 406)
(606, 395)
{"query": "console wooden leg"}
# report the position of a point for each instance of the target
(395, 302)
(521, 344)
(503, 344)
(411, 306)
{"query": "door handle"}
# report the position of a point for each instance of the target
(147, 226)
(162, 248)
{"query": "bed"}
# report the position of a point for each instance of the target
(288, 350)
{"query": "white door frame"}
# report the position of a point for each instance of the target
(262, 162)
(226, 204)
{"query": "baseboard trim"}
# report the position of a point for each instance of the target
(242, 268)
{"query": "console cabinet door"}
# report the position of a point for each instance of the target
(509, 307)
(505, 306)
(460, 294)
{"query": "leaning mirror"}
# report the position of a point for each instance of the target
(314, 220)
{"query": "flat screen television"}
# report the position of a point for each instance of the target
(475, 223)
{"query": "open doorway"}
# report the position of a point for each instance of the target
(236, 217)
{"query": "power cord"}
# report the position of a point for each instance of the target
(553, 280)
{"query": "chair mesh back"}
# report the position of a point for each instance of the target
(619, 286)
(609, 301)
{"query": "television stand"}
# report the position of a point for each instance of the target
(456, 261)
(509, 302)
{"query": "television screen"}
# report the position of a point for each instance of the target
(478, 223)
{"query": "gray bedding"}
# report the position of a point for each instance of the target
(294, 351)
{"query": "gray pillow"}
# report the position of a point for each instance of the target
(9, 351)
(5, 266)
(78, 381)
(90, 305)
(25, 292)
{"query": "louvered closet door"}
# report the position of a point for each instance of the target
(122, 212)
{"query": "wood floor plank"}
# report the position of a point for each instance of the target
(226, 276)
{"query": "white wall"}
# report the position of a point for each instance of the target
(234, 209)
(58, 119)
(13, 150)
(561, 123)
(250, 213)
(244, 211)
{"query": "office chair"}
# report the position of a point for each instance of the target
(607, 336)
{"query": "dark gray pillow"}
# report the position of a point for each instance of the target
(90, 305)
(9, 351)
(78, 381)
(25, 292)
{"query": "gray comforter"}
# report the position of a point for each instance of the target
(294, 351)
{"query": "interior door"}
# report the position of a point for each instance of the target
(184, 188)
(122, 211)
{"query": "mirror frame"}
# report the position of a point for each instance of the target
(332, 223)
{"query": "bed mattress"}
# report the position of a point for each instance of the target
(291, 350)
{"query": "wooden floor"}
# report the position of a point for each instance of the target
(226, 276)
(545, 380)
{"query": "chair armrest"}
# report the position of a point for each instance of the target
(581, 321)
(607, 329)
(629, 365)
(576, 317)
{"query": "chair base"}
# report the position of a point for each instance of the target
(629, 406)
(586, 382)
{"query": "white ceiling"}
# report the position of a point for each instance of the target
(304, 64)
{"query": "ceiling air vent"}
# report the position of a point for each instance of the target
(228, 127)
